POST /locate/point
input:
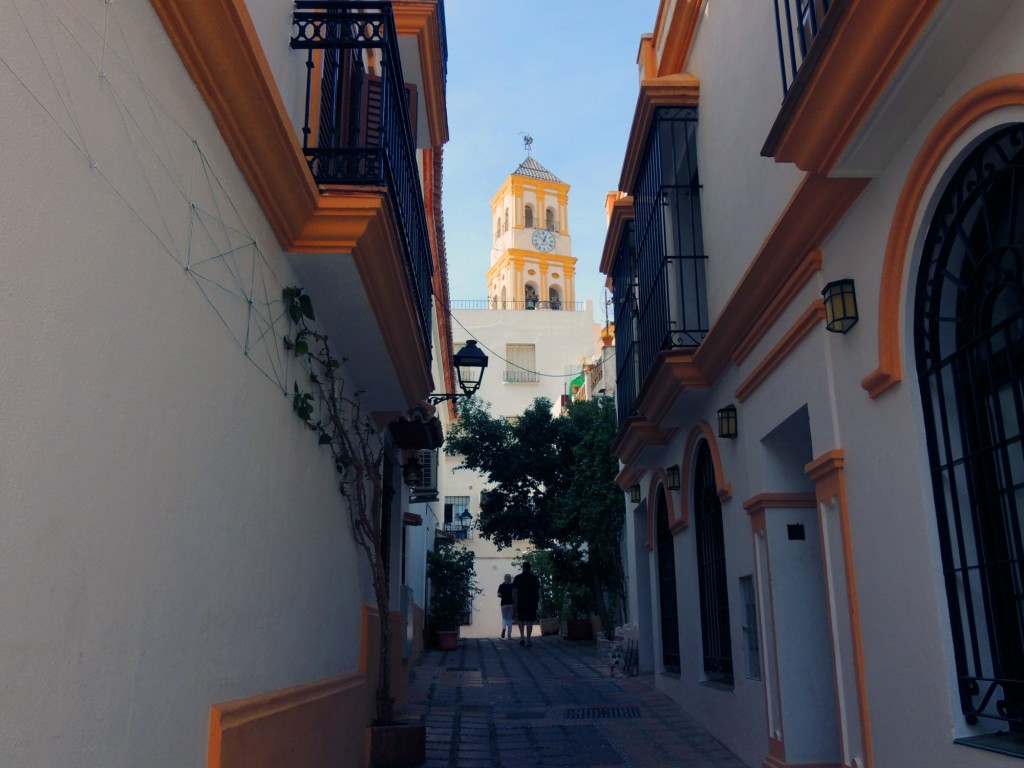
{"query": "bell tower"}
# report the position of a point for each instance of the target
(532, 266)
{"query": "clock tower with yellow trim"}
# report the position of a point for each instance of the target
(532, 266)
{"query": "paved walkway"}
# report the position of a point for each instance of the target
(495, 704)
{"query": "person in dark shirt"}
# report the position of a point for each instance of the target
(508, 604)
(526, 590)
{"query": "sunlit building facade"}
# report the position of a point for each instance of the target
(179, 583)
(817, 257)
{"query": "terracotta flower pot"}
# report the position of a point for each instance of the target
(447, 640)
(396, 745)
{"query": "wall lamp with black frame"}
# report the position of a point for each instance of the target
(840, 306)
(673, 477)
(470, 362)
(727, 426)
(634, 494)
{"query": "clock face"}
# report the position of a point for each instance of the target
(543, 240)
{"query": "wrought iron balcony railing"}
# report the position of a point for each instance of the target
(797, 23)
(558, 306)
(519, 376)
(358, 127)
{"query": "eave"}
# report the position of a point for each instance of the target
(421, 19)
(679, 90)
(622, 213)
(855, 55)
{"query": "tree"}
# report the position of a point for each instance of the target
(551, 482)
(336, 417)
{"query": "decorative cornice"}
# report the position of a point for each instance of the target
(621, 212)
(762, 501)
(420, 19)
(783, 297)
(679, 90)
(636, 435)
(811, 318)
(682, 27)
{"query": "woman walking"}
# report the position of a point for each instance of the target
(507, 605)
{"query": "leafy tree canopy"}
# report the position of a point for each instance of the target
(551, 482)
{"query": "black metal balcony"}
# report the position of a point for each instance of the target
(671, 285)
(624, 290)
(358, 127)
(797, 23)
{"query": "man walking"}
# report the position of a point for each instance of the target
(526, 592)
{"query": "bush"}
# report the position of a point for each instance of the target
(453, 586)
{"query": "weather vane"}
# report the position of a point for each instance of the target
(527, 141)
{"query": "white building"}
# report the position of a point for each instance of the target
(179, 584)
(826, 544)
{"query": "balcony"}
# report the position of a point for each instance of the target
(360, 126)
(858, 76)
(353, 223)
(535, 304)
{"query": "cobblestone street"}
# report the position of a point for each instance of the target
(495, 703)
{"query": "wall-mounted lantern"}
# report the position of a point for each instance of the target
(673, 477)
(727, 426)
(840, 306)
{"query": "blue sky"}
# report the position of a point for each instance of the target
(563, 71)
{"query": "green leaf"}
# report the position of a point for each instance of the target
(301, 347)
(306, 304)
(325, 439)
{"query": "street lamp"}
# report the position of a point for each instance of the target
(470, 362)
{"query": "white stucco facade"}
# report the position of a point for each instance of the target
(171, 535)
(826, 494)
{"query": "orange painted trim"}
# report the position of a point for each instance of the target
(784, 296)
(620, 213)
(219, 47)
(811, 318)
(317, 723)
(678, 90)
(829, 476)
(866, 42)
(637, 434)
(760, 502)
(659, 482)
(701, 431)
(994, 94)
(420, 19)
(682, 27)
(628, 476)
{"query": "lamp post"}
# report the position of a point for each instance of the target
(470, 362)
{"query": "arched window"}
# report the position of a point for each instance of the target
(506, 219)
(550, 223)
(667, 607)
(504, 303)
(531, 296)
(712, 581)
(969, 349)
(528, 217)
(497, 228)
(554, 299)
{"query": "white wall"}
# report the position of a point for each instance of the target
(170, 536)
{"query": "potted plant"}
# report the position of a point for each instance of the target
(450, 569)
(576, 613)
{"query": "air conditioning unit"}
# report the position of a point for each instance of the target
(427, 488)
